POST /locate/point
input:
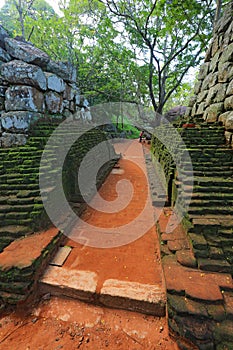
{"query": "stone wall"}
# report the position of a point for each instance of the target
(32, 86)
(213, 98)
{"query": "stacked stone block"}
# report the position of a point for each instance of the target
(32, 86)
(213, 98)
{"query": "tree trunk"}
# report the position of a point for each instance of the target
(217, 12)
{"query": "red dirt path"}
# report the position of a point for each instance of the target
(66, 324)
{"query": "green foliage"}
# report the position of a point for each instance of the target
(126, 50)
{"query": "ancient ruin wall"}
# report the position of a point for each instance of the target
(213, 98)
(32, 86)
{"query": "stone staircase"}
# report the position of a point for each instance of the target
(209, 218)
(21, 207)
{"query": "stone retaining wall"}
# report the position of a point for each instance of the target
(32, 86)
(213, 99)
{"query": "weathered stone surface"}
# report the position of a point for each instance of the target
(55, 83)
(72, 283)
(24, 98)
(133, 296)
(225, 72)
(213, 111)
(214, 46)
(209, 81)
(224, 331)
(214, 62)
(230, 89)
(223, 117)
(26, 52)
(216, 93)
(192, 100)
(18, 121)
(2, 103)
(204, 70)
(4, 56)
(54, 102)
(69, 92)
(201, 96)
(62, 70)
(201, 108)
(228, 104)
(229, 122)
(197, 87)
(3, 34)
(19, 72)
(9, 140)
(227, 54)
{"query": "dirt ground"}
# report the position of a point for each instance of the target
(56, 323)
(60, 323)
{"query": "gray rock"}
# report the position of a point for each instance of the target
(216, 93)
(26, 52)
(3, 34)
(209, 81)
(204, 70)
(201, 108)
(215, 46)
(229, 123)
(19, 72)
(212, 113)
(227, 54)
(228, 104)
(24, 98)
(69, 92)
(55, 83)
(225, 72)
(223, 117)
(214, 62)
(197, 87)
(4, 56)
(18, 121)
(230, 89)
(10, 140)
(201, 96)
(62, 70)
(54, 102)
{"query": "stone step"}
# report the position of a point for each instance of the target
(207, 209)
(211, 202)
(133, 296)
(8, 208)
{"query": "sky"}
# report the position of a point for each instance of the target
(53, 3)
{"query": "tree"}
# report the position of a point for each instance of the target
(171, 35)
(15, 15)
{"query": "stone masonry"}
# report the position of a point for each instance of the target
(32, 86)
(213, 99)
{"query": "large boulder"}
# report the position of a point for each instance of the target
(4, 56)
(65, 71)
(19, 72)
(175, 112)
(26, 52)
(24, 98)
